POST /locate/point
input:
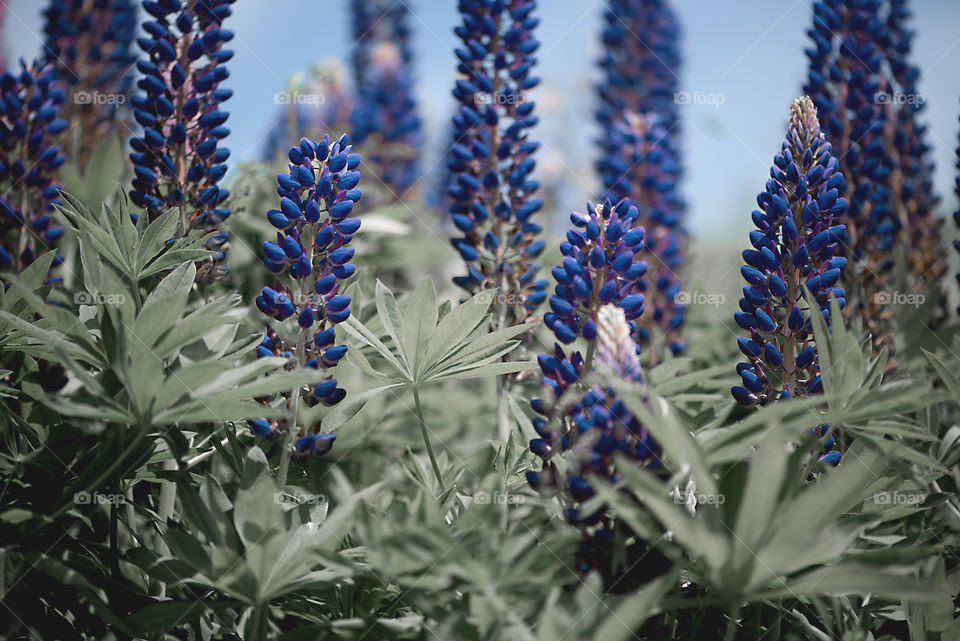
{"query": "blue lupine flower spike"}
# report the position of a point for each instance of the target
(178, 161)
(494, 197)
(30, 128)
(848, 81)
(90, 44)
(587, 427)
(956, 214)
(314, 102)
(602, 269)
(640, 66)
(640, 166)
(314, 230)
(912, 182)
(385, 122)
(794, 266)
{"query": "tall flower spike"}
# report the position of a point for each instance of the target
(587, 426)
(640, 166)
(315, 102)
(314, 232)
(956, 214)
(492, 158)
(639, 154)
(847, 81)
(30, 128)
(793, 268)
(90, 44)
(602, 266)
(385, 122)
(3, 15)
(375, 22)
(912, 181)
(640, 65)
(177, 161)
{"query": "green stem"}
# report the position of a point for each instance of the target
(310, 232)
(426, 441)
(168, 498)
(114, 531)
(260, 622)
(503, 407)
(732, 626)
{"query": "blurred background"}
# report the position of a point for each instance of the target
(743, 64)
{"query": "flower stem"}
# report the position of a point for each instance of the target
(732, 626)
(426, 441)
(260, 622)
(310, 231)
(289, 438)
(503, 407)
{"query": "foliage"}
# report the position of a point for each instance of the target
(135, 502)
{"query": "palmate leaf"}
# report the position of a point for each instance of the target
(126, 354)
(101, 173)
(253, 549)
(135, 251)
(668, 429)
(767, 550)
(420, 347)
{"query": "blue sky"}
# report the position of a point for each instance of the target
(752, 55)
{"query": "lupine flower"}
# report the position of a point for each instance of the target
(3, 15)
(314, 102)
(492, 158)
(639, 166)
(314, 228)
(793, 268)
(639, 154)
(602, 269)
(30, 130)
(178, 161)
(590, 432)
(385, 121)
(912, 183)
(89, 42)
(375, 22)
(847, 82)
(640, 65)
(956, 214)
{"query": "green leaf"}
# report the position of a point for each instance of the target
(630, 614)
(165, 304)
(359, 331)
(155, 238)
(493, 369)
(943, 371)
(458, 324)
(348, 407)
(389, 313)
(668, 430)
(419, 322)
